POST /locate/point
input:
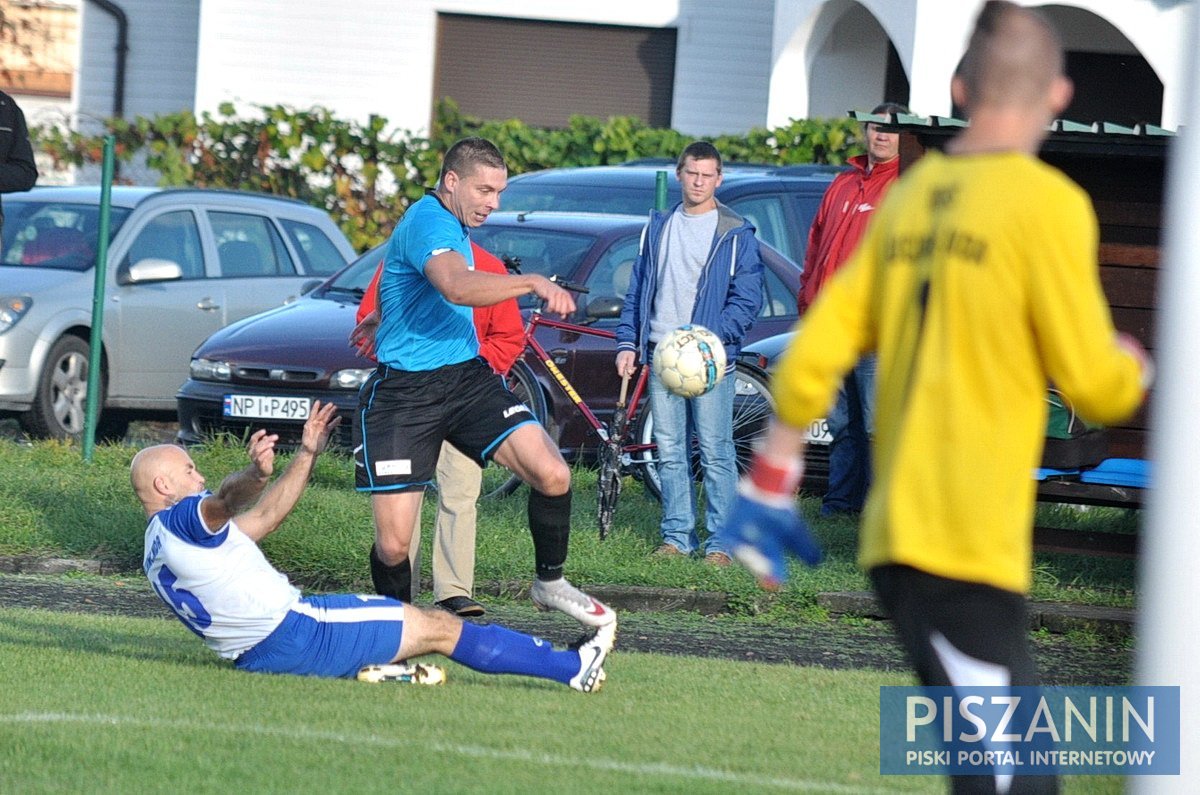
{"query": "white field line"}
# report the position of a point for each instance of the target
(476, 751)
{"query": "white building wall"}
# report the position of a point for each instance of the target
(160, 69)
(356, 59)
(377, 56)
(722, 66)
(940, 33)
(53, 112)
(740, 63)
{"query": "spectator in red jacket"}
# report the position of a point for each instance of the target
(501, 340)
(847, 207)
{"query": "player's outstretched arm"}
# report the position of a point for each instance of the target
(243, 487)
(763, 523)
(448, 272)
(282, 495)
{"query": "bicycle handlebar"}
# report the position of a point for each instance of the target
(567, 285)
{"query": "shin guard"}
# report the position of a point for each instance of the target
(550, 524)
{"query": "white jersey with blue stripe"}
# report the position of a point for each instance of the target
(419, 329)
(219, 584)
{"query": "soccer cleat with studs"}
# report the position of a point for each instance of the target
(405, 673)
(593, 651)
(561, 595)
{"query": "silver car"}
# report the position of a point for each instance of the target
(182, 263)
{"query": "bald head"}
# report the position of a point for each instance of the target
(162, 475)
(1013, 58)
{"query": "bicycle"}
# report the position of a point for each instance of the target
(625, 444)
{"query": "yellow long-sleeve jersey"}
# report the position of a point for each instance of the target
(976, 283)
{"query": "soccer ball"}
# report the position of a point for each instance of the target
(690, 361)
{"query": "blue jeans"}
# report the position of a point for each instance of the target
(710, 416)
(851, 423)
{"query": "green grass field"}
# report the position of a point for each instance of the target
(110, 704)
(54, 504)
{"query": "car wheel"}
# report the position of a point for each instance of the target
(59, 406)
(752, 407)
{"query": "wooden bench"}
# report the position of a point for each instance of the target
(1075, 492)
(1130, 223)
(1123, 170)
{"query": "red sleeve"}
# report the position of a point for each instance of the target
(370, 298)
(500, 327)
(810, 273)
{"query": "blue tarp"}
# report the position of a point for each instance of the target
(1128, 472)
(1132, 472)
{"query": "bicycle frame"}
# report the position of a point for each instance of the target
(536, 319)
(616, 453)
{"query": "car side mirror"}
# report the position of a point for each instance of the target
(152, 269)
(309, 286)
(604, 307)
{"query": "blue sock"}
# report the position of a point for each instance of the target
(493, 649)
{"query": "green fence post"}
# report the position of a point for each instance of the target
(660, 190)
(92, 407)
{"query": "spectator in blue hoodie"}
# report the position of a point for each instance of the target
(698, 263)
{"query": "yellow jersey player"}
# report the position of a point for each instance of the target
(976, 284)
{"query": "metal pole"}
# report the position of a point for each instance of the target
(1169, 624)
(660, 190)
(92, 409)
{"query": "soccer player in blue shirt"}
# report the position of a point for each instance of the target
(432, 386)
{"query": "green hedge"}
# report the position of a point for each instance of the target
(366, 175)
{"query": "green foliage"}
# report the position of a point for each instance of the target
(365, 175)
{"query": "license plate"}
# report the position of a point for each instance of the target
(818, 432)
(267, 407)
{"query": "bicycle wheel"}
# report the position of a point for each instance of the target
(752, 407)
(523, 383)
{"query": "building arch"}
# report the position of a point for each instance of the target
(838, 55)
(1116, 79)
(824, 50)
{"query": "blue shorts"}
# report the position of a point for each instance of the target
(333, 635)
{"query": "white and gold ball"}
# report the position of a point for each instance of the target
(690, 361)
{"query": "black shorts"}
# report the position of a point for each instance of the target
(983, 622)
(981, 629)
(404, 416)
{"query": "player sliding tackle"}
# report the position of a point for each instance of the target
(202, 557)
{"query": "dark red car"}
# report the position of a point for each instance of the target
(266, 370)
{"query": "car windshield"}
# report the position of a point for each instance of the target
(54, 234)
(351, 284)
(546, 251)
